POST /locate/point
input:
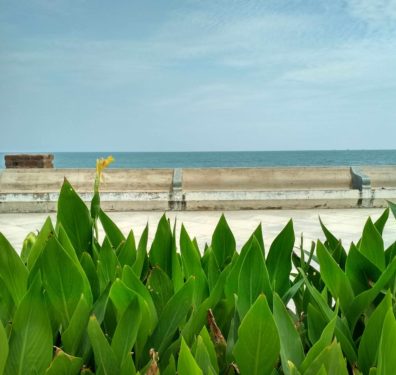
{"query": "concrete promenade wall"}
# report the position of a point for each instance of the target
(37, 190)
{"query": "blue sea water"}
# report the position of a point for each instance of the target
(224, 159)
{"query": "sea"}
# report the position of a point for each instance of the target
(223, 159)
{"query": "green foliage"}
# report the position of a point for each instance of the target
(74, 303)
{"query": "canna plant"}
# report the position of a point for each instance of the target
(72, 303)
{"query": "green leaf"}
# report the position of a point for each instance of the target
(3, 348)
(72, 336)
(161, 249)
(320, 345)
(331, 359)
(199, 316)
(223, 243)
(192, 266)
(372, 245)
(334, 278)
(207, 341)
(381, 221)
(360, 271)
(173, 315)
(12, 271)
(257, 349)
(107, 264)
(141, 255)
(28, 243)
(7, 305)
(370, 340)
(64, 364)
(186, 364)
(392, 207)
(291, 347)
(113, 233)
(90, 271)
(387, 347)
(202, 358)
(134, 283)
(316, 323)
(63, 281)
(46, 231)
(253, 279)
(105, 359)
(127, 251)
(30, 344)
(74, 215)
(161, 288)
(231, 287)
(279, 261)
(126, 332)
(363, 300)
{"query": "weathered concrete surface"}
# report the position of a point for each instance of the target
(346, 224)
(35, 190)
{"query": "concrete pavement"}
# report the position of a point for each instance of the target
(346, 224)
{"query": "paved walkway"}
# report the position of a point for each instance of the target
(346, 224)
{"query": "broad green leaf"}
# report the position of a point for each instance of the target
(334, 278)
(63, 281)
(392, 207)
(30, 344)
(387, 347)
(330, 238)
(253, 279)
(161, 288)
(364, 300)
(7, 305)
(291, 347)
(134, 283)
(113, 233)
(126, 332)
(381, 221)
(12, 271)
(75, 218)
(279, 261)
(320, 345)
(360, 271)
(186, 364)
(231, 287)
(122, 296)
(342, 330)
(72, 336)
(105, 359)
(372, 245)
(127, 251)
(90, 271)
(170, 368)
(223, 242)
(207, 341)
(173, 315)
(177, 273)
(316, 323)
(199, 316)
(161, 249)
(64, 364)
(370, 340)
(107, 265)
(390, 253)
(46, 231)
(3, 348)
(202, 357)
(141, 254)
(257, 349)
(27, 245)
(331, 359)
(192, 266)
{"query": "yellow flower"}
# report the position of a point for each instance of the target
(101, 164)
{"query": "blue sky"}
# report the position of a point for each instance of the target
(167, 75)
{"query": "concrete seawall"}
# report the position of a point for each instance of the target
(37, 190)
